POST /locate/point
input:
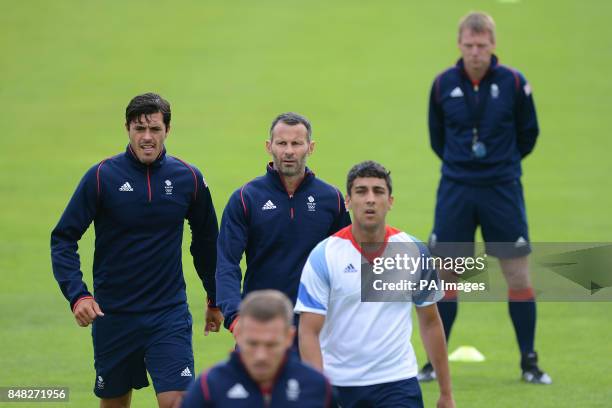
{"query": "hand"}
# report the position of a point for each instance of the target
(445, 401)
(86, 311)
(214, 319)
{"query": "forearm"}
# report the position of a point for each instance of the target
(432, 334)
(205, 262)
(526, 142)
(437, 145)
(228, 293)
(205, 231)
(231, 245)
(436, 124)
(310, 349)
(66, 269)
(527, 127)
(73, 223)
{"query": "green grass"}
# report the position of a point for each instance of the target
(361, 71)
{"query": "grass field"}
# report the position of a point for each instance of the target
(361, 71)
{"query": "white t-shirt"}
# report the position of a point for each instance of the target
(363, 343)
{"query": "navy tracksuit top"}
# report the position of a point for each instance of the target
(276, 231)
(500, 106)
(138, 212)
(229, 385)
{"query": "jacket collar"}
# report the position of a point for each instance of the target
(277, 179)
(236, 360)
(492, 66)
(129, 153)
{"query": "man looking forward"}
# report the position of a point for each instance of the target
(138, 201)
(262, 372)
(482, 123)
(276, 219)
(364, 347)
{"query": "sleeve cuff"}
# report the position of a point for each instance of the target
(211, 303)
(74, 305)
(303, 309)
(234, 323)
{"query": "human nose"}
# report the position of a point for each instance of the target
(147, 134)
(370, 197)
(260, 353)
(289, 152)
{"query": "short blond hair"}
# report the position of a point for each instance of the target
(266, 305)
(477, 22)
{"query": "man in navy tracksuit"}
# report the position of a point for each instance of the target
(482, 123)
(276, 220)
(263, 373)
(138, 202)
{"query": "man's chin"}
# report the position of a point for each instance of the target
(289, 172)
(146, 158)
(370, 225)
(262, 375)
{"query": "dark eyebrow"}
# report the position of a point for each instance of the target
(145, 125)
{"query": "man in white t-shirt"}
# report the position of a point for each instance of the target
(363, 345)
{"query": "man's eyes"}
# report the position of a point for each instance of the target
(292, 143)
(153, 129)
(377, 191)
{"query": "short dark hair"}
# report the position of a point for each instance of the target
(292, 119)
(266, 305)
(368, 169)
(147, 104)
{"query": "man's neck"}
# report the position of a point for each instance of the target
(367, 236)
(291, 183)
(265, 385)
(476, 75)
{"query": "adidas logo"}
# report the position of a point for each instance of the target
(350, 269)
(456, 93)
(126, 187)
(269, 205)
(186, 372)
(237, 392)
(520, 242)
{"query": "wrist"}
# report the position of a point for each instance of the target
(210, 302)
(232, 326)
(79, 300)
